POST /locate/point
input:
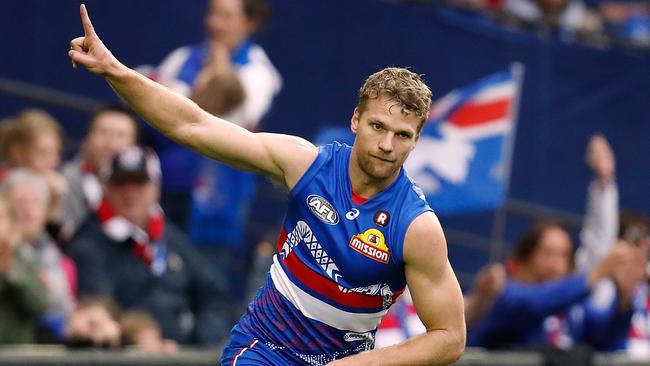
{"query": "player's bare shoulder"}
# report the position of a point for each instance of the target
(292, 154)
(425, 240)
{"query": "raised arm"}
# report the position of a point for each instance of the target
(600, 227)
(282, 157)
(437, 298)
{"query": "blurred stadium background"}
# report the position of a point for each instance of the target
(324, 50)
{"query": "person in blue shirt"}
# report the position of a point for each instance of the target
(543, 303)
(231, 76)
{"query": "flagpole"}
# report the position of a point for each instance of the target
(499, 220)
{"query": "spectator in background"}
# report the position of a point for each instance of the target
(128, 251)
(227, 74)
(34, 139)
(569, 18)
(598, 239)
(112, 129)
(93, 324)
(543, 303)
(21, 290)
(29, 195)
(402, 322)
(141, 330)
(604, 226)
(627, 21)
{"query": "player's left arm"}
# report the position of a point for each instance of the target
(437, 298)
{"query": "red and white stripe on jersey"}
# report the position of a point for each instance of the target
(316, 309)
(327, 288)
(241, 352)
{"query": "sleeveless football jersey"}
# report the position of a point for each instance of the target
(339, 265)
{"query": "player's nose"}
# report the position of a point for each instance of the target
(386, 142)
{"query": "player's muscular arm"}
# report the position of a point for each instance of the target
(282, 157)
(437, 298)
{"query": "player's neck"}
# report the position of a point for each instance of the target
(364, 184)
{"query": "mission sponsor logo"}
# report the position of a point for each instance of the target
(371, 244)
(322, 209)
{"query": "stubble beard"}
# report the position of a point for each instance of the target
(369, 168)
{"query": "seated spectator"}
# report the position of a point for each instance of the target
(34, 140)
(29, 195)
(21, 290)
(93, 324)
(544, 304)
(128, 251)
(141, 330)
(112, 129)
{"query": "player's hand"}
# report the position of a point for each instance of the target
(89, 50)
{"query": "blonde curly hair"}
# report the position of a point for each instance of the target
(400, 85)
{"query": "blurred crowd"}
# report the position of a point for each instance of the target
(598, 22)
(105, 250)
(552, 294)
(145, 246)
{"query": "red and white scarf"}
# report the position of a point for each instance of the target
(146, 245)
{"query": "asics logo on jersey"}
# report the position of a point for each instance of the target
(322, 209)
(352, 214)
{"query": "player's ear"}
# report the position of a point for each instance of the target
(354, 122)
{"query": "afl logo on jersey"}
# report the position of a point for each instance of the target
(322, 209)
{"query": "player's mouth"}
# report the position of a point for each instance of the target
(382, 159)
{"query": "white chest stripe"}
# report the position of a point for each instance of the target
(319, 310)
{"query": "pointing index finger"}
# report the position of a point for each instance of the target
(85, 20)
